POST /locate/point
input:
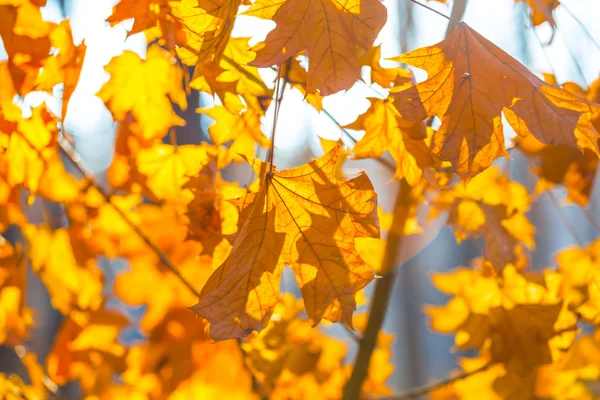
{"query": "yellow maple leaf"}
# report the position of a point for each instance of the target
(147, 89)
(233, 75)
(385, 131)
(237, 126)
(303, 217)
(207, 25)
(73, 280)
(167, 168)
(330, 31)
(492, 207)
(385, 77)
(86, 348)
(15, 317)
(471, 82)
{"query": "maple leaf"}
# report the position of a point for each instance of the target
(146, 88)
(15, 317)
(297, 77)
(25, 37)
(30, 157)
(146, 13)
(86, 348)
(207, 25)
(238, 125)
(71, 276)
(562, 165)
(385, 131)
(578, 268)
(167, 169)
(289, 349)
(64, 66)
(492, 207)
(233, 75)
(329, 30)
(471, 82)
(519, 322)
(385, 77)
(305, 218)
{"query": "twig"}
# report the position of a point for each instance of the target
(75, 158)
(585, 30)
(381, 297)
(564, 219)
(380, 160)
(52, 388)
(590, 218)
(278, 97)
(434, 10)
(430, 387)
(570, 51)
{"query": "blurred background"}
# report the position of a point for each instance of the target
(570, 52)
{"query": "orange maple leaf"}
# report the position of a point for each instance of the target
(385, 131)
(329, 30)
(471, 82)
(146, 13)
(64, 66)
(303, 217)
(25, 37)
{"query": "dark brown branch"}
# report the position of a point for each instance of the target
(381, 296)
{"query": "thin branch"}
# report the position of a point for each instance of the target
(381, 297)
(583, 27)
(380, 160)
(564, 219)
(434, 11)
(77, 161)
(590, 218)
(52, 388)
(430, 387)
(570, 51)
(278, 97)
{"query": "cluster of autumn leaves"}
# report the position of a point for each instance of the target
(193, 239)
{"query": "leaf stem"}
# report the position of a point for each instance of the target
(381, 296)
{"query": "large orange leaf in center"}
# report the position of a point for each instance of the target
(471, 82)
(304, 218)
(329, 30)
